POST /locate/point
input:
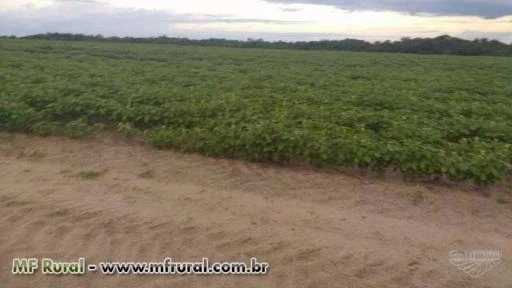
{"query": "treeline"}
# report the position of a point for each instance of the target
(440, 45)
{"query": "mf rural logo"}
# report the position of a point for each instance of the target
(475, 263)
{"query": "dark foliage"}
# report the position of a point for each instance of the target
(440, 45)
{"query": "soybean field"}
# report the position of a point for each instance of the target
(426, 116)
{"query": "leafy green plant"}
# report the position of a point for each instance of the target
(127, 130)
(46, 128)
(77, 129)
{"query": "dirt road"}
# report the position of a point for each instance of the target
(315, 229)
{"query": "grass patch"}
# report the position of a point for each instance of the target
(91, 174)
(147, 174)
(416, 197)
(413, 265)
(502, 200)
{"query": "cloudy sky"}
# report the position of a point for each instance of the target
(288, 20)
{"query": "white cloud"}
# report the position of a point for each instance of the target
(233, 19)
(482, 8)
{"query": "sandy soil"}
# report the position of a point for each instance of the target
(315, 229)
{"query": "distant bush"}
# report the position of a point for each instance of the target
(444, 44)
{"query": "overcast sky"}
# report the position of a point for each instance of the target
(288, 20)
